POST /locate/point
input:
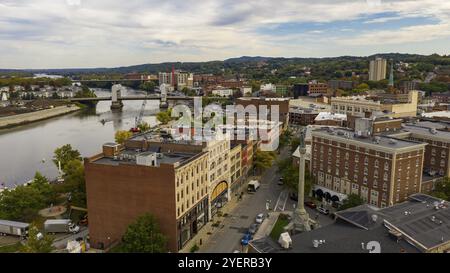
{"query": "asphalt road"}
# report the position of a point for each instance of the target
(62, 242)
(227, 239)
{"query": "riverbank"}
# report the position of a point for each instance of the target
(21, 119)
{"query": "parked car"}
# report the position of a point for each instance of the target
(246, 239)
(260, 218)
(323, 210)
(293, 196)
(253, 229)
(310, 204)
(281, 181)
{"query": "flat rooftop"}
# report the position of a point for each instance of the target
(422, 130)
(128, 157)
(382, 141)
(416, 218)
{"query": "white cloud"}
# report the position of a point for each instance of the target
(75, 33)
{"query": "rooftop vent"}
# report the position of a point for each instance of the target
(377, 140)
(393, 141)
(433, 131)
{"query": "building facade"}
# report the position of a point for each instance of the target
(124, 183)
(378, 69)
(381, 170)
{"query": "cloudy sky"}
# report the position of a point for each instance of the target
(108, 33)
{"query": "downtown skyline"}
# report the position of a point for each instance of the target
(87, 34)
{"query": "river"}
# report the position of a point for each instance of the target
(29, 148)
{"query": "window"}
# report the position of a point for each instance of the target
(386, 177)
(366, 161)
(386, 166)
(432, 161)
(377, 163)
(375, 174)
(442, 163)
(433, 152)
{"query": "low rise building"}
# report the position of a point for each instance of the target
(419, 225)
(302, 116)
(358, 105)
(331, 119)
(223, 92)
(317, 88)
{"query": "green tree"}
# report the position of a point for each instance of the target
(164, 117)
(148, 86)
(65, 154)
(264, 160)
(21, 204)
(74, 183)
(144, 126)
(144, 236)
(295, 143)
(285, 138)
(122, 136)
(35, 244)
(290, 174)
(442, 189)
(41, 184)
(85, 92)
(353, 200)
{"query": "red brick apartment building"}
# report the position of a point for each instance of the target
(382, 170)
(316, 88)
(437, 153)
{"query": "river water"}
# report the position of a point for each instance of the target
(29, 148)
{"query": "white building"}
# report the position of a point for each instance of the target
(223, 92)
(268, 88)
(378, 68)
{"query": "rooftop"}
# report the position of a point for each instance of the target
(422, 129)
(440, 114)
(417, 225)
(330, 116)
(380, 141)
(128, 157)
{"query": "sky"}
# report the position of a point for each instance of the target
(110, 33)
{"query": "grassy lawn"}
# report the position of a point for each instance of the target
(279, 227)
(11, 248)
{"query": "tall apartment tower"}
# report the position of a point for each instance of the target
(377, 70)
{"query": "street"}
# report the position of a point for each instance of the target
(60, 243)
(227, 238)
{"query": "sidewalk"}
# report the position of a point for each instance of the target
(206, 232)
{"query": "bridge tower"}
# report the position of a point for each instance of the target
(116, 101)
(163, 104)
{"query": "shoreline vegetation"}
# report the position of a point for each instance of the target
(31, 117)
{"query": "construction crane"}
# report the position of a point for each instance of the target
(138, 120)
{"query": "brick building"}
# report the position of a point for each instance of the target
(383, 171)
(316, 88)
(124, 183)
(283, 106)
(302, 116)
(437, 153)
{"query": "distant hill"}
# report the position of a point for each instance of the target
(242, 64)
